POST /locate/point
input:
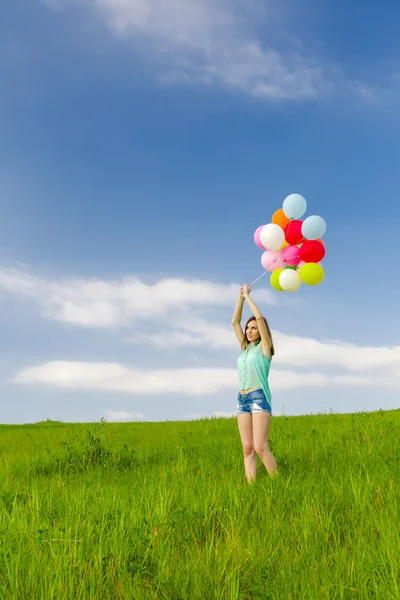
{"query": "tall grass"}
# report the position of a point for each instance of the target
(162, 511)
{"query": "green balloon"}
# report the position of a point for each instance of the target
(274, 280)
(311, 273)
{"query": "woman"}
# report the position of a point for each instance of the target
(254, 399)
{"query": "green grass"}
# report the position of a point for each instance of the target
(162, 511)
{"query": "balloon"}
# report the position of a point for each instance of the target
(286, 244)
(279, 218)
(290, 255)
(312, 251)
(274, 280)
(271, 260)
(313, 227)
(272, 236)
(294, 206)
(257, 240)
(289, 280)
(301, 263)
(293, 234)
(311, 273)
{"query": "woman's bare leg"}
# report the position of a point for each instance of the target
(246, 435)
(261, 421)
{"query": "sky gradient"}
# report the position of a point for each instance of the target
(142, 143)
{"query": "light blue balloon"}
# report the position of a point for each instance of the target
(313, 227)
(294, 206)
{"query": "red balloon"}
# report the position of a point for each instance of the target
(293, 233)
(312, 251)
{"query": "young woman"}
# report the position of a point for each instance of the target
(254, 398)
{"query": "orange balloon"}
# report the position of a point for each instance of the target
(279, 218)
(319, 240)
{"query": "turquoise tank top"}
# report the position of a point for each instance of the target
(254, 369)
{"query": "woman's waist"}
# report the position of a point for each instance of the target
(244, 392)
(251, 379)
(256, 394)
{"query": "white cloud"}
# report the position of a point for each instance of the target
(182, 304)
(214, 42)
(300, 351)
(191, 332)
(122, 416)
(119, 378)
(190, 381)
(107, 304)
(291, 350)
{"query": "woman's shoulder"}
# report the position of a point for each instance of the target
(262, 354)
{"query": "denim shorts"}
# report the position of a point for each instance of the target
(252, 402)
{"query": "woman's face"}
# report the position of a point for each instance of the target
(252, 331)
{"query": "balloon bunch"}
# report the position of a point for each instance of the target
(292, 248)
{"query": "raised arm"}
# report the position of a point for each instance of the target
(265, 339)
(236, 319)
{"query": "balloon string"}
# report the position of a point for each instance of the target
(265, 272)
(255, 281)
(275, 263)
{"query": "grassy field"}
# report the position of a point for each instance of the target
(162, 511)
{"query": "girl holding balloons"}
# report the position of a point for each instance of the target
(254, 398)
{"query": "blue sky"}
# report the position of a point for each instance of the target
(141, 145)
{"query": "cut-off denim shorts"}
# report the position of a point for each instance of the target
(252, 402)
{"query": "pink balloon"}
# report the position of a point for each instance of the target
(257, 237)
(290, 256)
(271, 260)
(301, 263)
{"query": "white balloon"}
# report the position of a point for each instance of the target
(272, 236)
(289, 280)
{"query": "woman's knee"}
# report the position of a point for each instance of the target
(248, 449)
(261, 450)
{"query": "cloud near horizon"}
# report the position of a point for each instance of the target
(186, 307)
(290, 349)
(187, 381)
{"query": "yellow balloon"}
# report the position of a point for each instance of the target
(285, 243)
(311, 273)
(274, 280)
